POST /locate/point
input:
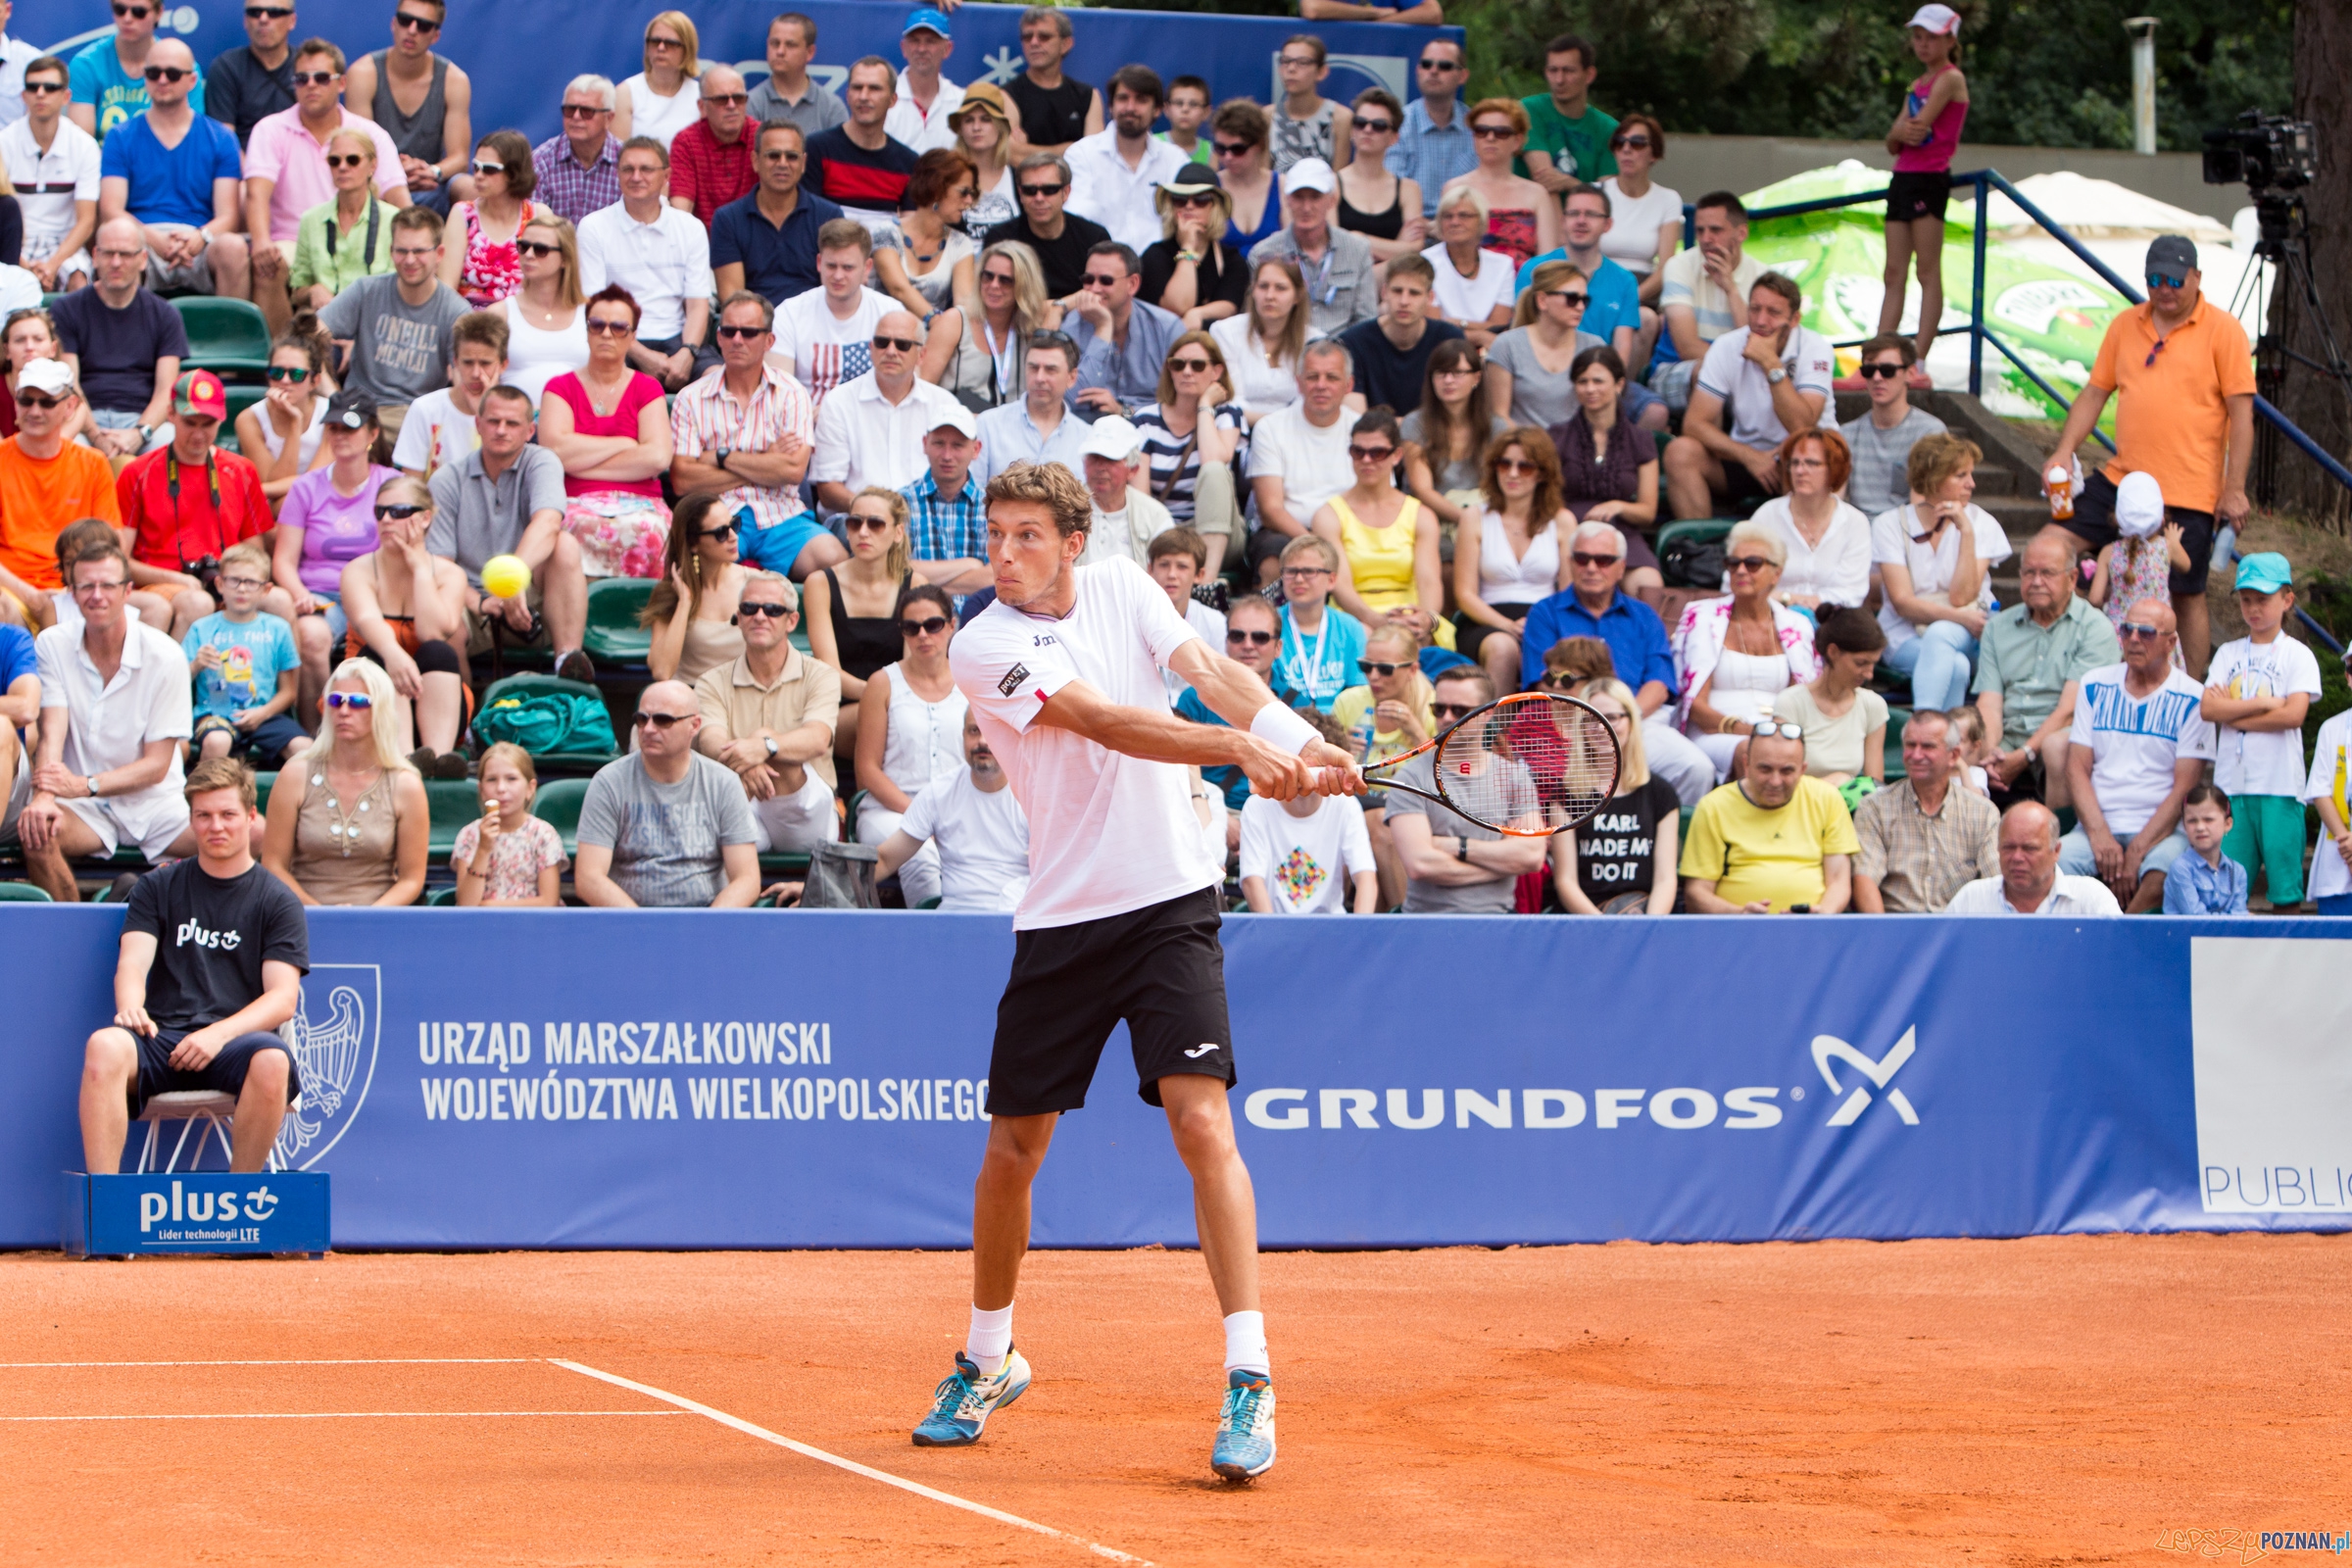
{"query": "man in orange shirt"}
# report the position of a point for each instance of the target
(46, 482)
(183, 505)
(2186, 377)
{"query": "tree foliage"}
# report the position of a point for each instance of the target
(2040, 72)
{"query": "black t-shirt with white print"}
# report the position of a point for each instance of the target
(212, 937)
(1617, 845)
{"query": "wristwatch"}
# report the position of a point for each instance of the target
(1776, 375)
(1461, 848)
(91, 784)
(771, 747)
(144, 432)
(725, 453)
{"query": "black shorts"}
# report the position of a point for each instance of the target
(1918, 193)
(1740, 483)
(1159, 968)
(1470, 635)
(264, 744)
(223, 1074)
(2093, 523)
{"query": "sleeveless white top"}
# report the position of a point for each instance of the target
(1528, 580)
(652, 115)
(1746, 683)
(925, 743)
(311, 436)
(535, 356)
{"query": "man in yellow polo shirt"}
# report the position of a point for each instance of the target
(1772, 842)
(2186, 379)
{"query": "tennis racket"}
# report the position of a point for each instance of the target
(1528, 766)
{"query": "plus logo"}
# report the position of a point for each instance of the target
(1828, 1048)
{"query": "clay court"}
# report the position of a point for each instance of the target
(2057, 1400)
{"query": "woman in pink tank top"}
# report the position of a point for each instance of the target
(1923, 139)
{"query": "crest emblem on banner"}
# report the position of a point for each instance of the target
(333, 1037)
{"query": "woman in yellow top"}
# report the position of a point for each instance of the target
(1384, 717)
(1388, 541)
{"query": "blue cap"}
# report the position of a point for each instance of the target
(930, 17)
(2266, 572)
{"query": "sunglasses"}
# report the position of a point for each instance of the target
(859, 523)
(415, 23)
(268, 13)
(772, 611)
(1585, 558)
(1767, 729)
(1191, 365)
(1378, 127)
(398, 509)
(2163, 280)
(1001, 279)
(27, 399)
(611, 328)
(44, 86)
(343, 160)
(1747, 563)
(1439, 65)
(2134, 630)
(663, 43)
(315, 78)
(583, 110)
(1878, 372)
(1370, 454)
(905, 345)
(743, 332)
(1376, 667)
(356, 701)
(1631, 141)
(1515, 466)
(164, 73)
(1232, 148)
(289, 372)
(725, 530)
(924, 629)
(1195, 199)
(1451, 710)
(1102, 280)
(727, 99)
(1255, 639)
(535, 247)
(480, 168)
(1571, 298)
(2159, 343)
(137, 13)
(1491, 132)
(1054, 189)
(641, 720)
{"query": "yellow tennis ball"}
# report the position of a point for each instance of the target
(506, 577)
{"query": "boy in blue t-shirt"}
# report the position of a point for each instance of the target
(1322, 645)
(238, 654)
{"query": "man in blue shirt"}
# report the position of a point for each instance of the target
(1613, 295)
(1434, 144)
(766, 241)
(946, 520)
(1594, 606)
(177, 172)
(1040, 427)
(1123, 341)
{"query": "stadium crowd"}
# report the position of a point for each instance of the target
(1391, 399)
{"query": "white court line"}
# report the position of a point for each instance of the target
(331, 1415)
(383, 1360)
(851, 1465)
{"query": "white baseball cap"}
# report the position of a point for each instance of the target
(1310, 174)
(956, 417)
(2139, 505)
(53, 376)
(1111, 437)
(1935, 18)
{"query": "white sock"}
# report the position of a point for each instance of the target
(1246, 1343)
(990, 1339)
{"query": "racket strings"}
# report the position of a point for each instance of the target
(1536, 760)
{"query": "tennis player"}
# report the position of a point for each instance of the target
(1120, 920)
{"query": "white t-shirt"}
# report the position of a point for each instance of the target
(434, 434)
(1309, 862)
(1110, 833)
(1729, 374)
(983, 841)
(2330, 762)
(1472, 299)
(2136, 740)
(1211, 624)
(1632, 240)
(1311, 463)
(1891, 541)
(822, 349)
(2266, 761)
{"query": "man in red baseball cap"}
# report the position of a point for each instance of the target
(185, 503)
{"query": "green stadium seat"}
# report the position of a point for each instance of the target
(613, 635)
(240, 398)
(262, 783)
(440, 898)
(453, 802)
(228, 337)
(1897, 721)
(531, 683)
(777, 866)
(849, 826)
(557, 803)
(22, 893)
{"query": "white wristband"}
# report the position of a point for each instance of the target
(1281, 729)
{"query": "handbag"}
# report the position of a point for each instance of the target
(841, 876)
(1692, 564)
(547, 723)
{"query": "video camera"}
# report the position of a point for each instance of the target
(2269, 154)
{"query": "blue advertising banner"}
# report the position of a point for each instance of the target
(502, 1079)
(519, 80)
(189, 1211)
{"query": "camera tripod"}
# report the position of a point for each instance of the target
(2283, 244)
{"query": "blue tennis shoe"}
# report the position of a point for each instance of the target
(1245, 1428)
(966, 1398)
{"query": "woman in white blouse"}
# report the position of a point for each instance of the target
(1472, 283)
(667, 96)
(1828, 540)
(1261, 345)
(1934, 556)
(1645, 219)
